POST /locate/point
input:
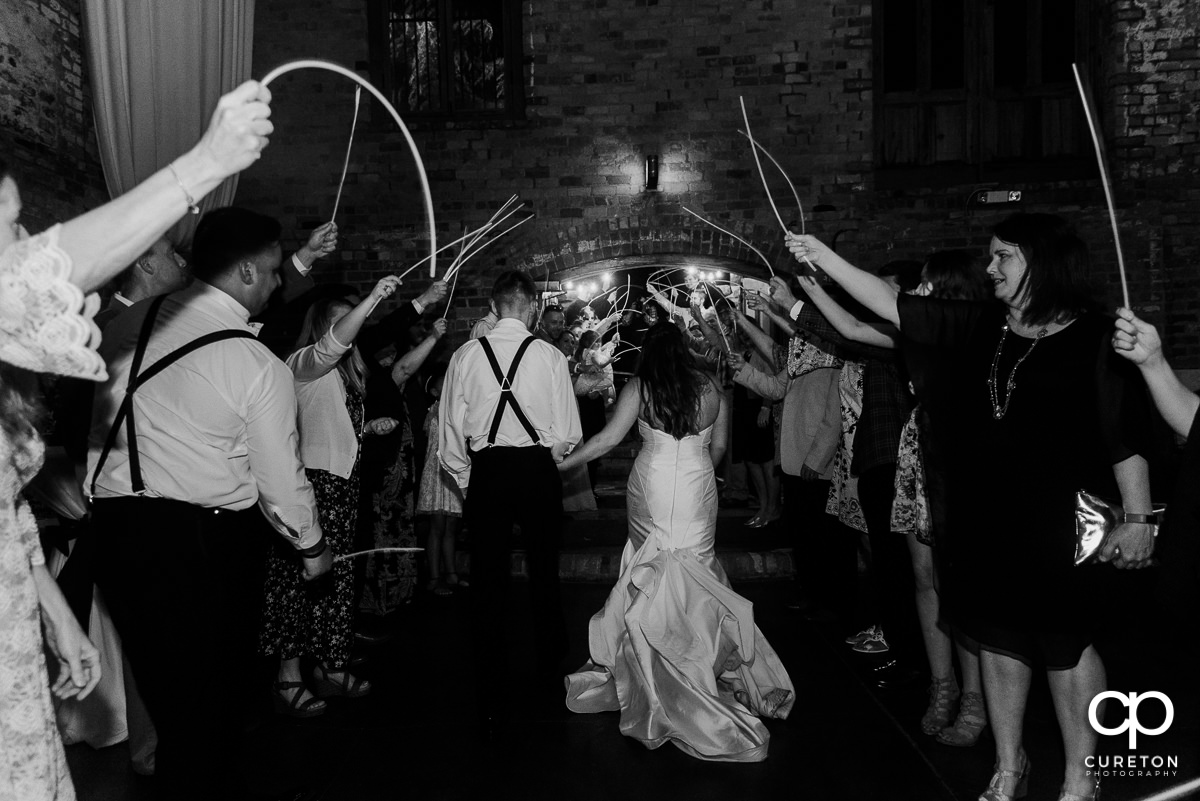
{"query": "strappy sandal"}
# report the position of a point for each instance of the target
(293, 707)
(942, 695)
(452, 580)
(972, 720)
(1094, 795)
(349, 686)
(442, 589)
(1018, 778)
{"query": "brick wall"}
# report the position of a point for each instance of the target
(46, 130)
(609, 83)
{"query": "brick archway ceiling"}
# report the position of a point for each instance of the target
(669, 240)
(660, 260)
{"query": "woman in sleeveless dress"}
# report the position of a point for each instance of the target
(674, 649)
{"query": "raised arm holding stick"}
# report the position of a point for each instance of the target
(1138, 341)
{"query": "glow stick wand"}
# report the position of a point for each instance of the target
(346, 164)
(1108, 196)
(340, 70)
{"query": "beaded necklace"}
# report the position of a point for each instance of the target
(1000, 409)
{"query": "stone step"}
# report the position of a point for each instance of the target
(604, 563)
(594, 541)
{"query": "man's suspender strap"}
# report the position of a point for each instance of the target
(137, 379)
(506, 394)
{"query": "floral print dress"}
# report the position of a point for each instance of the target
(391, 578)
(33, 765)
(843, 492)
(317, 621)
(46, 327)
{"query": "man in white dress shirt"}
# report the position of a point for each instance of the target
(484, 325)
(507, 407)
(158, 271)
(179, 459)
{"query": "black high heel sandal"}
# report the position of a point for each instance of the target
(293, 707)
(349, 686)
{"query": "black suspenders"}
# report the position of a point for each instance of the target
(507, 398)
(136, 380)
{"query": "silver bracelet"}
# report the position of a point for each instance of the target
(191, 201)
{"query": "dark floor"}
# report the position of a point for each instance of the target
(416, 736)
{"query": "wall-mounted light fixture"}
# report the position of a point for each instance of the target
(652, 173)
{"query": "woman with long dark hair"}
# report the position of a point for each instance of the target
(674, 649)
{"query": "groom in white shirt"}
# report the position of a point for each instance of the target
(507, 406)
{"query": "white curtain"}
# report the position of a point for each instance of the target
(157, 69)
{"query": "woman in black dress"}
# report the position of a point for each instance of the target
(390, 470)
(1033, 407)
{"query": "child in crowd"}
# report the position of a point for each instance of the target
(440, 498)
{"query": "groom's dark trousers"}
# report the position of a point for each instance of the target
(522, 486)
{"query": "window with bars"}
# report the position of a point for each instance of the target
(979, 84)
(449, 58)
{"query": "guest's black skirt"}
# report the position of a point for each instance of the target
(750, 442)
(591, 415)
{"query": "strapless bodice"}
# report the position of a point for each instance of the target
(672, 493)
(658, 445)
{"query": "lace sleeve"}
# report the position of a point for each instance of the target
(27, 530)
(45, 320)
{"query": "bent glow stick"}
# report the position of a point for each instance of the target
(778, 166)
(1108, 196)
(471, 247)
(758, 163)
(735, 236)
(346, 163)
(464, 260)
(340, 70)
(439, 250)
(376, 550)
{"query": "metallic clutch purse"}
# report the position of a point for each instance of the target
(1095, 518)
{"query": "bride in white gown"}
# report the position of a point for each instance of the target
(674, 649)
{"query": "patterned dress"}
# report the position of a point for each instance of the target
(843, 492)
(317, 620)
(45, 326)
(439, 492)
(392, 577)
(32, 763)
(910, 507)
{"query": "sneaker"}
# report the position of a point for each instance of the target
(873, 644)
(862, 636)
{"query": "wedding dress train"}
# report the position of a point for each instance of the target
(674, 649)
